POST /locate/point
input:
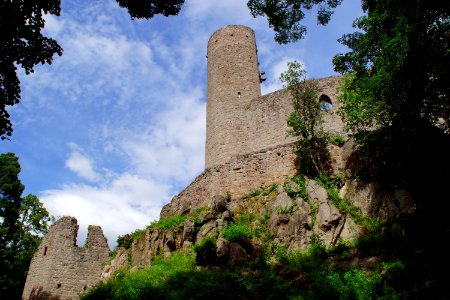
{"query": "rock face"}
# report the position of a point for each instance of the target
(62, 270)
(289, 221)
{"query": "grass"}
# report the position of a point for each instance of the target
(332, 186)
(407, 270)
(236, 232)
(296, 186)
(169, 223)
(303, 275)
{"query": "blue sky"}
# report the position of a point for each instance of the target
(115, 127)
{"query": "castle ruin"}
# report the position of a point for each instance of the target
(62, 270)
(246, 141)
(246, 147)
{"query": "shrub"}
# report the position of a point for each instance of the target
(228, 196)
(236, 232)
(338, 140)
(296, 186)
(208, 243)
(124, 241)
(169, 223)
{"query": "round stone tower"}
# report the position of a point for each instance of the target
(233, 80)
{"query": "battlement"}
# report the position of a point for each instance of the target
(60, 268)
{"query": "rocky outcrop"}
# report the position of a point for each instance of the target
(291, 221)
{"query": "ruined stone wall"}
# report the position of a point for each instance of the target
(238, 176)
(62, 270)
(272, 158)
(267, 116)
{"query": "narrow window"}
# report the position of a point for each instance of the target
(58, 285)
(239, 94)
(325, 102)
(45, 251)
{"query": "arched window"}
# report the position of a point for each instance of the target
(325, 102)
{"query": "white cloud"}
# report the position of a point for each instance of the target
(273, 83)
(173, 148)
(129, 202)
(81, 165)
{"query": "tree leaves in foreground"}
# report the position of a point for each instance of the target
(22, 43)
(395, 94)
(285, 16)
(23, 222)
(146, 9)
(399, 66)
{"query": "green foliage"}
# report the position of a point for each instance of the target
(332, 186)
(228, 196)
(338, 140)
(147, 9)
(297, 186)
(351, 284)
(237, 232)
(309, 260)
(23, 45)
(177, 277)
(307, 274)
(125, 241)
(137, 234)
(255, 192)
(399, 65)
(262, 191)
(207, 244)
(169, 223)
(394, 95)
(270, 189)
(305, 121)
(23, 222)
(285, 16)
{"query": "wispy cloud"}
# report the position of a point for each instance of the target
(81, 165)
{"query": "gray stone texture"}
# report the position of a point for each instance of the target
(61, 269)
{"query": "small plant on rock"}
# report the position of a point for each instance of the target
(237, 232)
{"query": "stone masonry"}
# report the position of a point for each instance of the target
(246, 141)
(62, 270)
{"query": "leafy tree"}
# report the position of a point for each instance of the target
(395, 94)
(146, 9)
(23, 221)
(306, 120)
(285, 16)
(22, 43)
(399, 66)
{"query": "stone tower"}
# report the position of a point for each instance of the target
(233, 81)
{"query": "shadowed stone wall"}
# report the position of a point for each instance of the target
(62, 270)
